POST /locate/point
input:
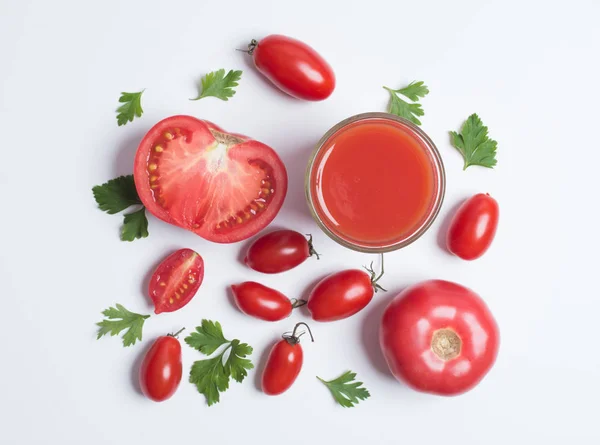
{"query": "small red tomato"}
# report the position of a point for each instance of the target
(160, 372)
(439, 337)
(263, 302)
(473, 227)
(284, 363)
(279, 251)
(293, 66)
(343, 294)
(176, 280)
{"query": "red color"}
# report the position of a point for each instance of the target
(294, 67)
(222, 186)
(445, 317)
(282, 368)
(260, 301)
(374, 182)
(176, 280)
(161, 371)
(340, 295)
(279, 251)
(473, 227)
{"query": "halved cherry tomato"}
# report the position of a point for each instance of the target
(473, 227)
(160, 372)
(293, 66)
(222, 186)
(439, 337)
(176, 280)
(279, 251)
(284, 363)
(262, 302)
(343, 294)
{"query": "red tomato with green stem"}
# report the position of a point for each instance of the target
(262, 302)
(284, 363)
(176, 280)
(224, 187)
(439, 337)
(344, 293)
(473, 227)
(160, 373)
(279, 251)
(293, 66)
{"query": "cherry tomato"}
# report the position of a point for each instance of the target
(279, 251)
(160, 372)
(284, 363)
(439, 337)
(176, 280)
(293, 66)
(343, 294)
(222, 186)
(473, 227)
(263, 302)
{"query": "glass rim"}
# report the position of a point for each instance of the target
(437, 162)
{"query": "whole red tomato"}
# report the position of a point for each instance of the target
(439, 337)
(263, 302)
(343, 294)
(279, 251)
(284, 363)
(473, 227)
(293, 66)
(160, 372)
(225, 187)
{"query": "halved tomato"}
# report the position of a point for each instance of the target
(176, 280)
(223, 186)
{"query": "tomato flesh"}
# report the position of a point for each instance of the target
(161, 370)
(223, 186)
(176, 280)
(340, 295)
(283, 366)
(439, 337)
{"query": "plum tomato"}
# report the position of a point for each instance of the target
(293, 66)
(222, 186)
(176, 280)
(279, 251)
(262, 302)
(439, 337)
(343, 294)
(160, 373)
(473, 227)
(284, 363)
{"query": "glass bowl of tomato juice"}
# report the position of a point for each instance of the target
(375, 182)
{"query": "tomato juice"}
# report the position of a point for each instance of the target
(375, 182)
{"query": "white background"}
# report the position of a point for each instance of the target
(530, 69)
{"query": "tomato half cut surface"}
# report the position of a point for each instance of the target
(222, 186)
(176, 280)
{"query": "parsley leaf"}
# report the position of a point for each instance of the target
(131, 108)
(119, 319)
(135, 225)
(117, 195)
(207, 337)
(211, 376)
(345, 390)
(219, 85)
(400, 107)
(474, 144)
